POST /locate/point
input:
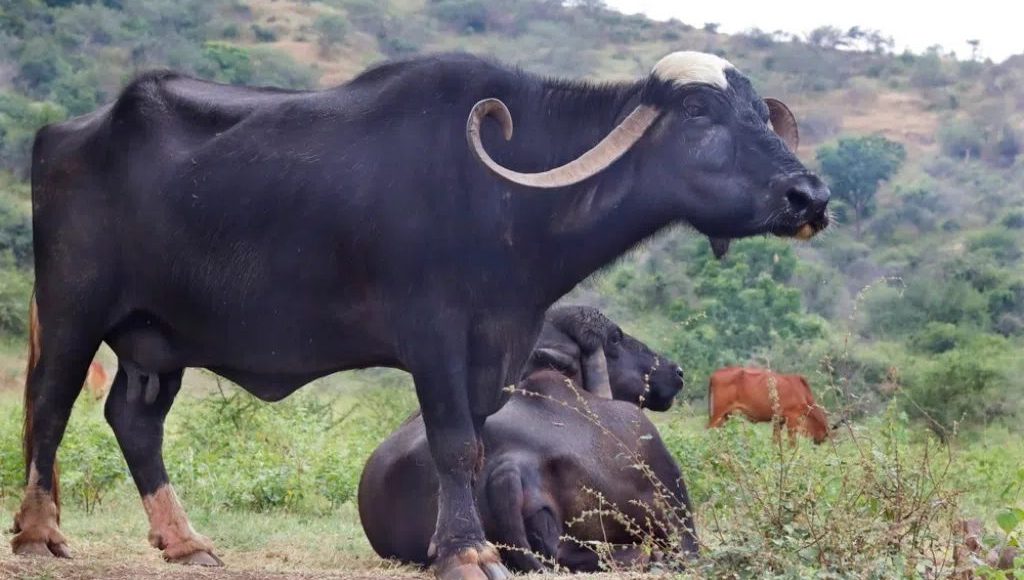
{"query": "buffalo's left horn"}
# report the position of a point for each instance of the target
(610, 149)
(595, 374)
(783, 123)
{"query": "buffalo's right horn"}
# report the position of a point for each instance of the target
(610, 149)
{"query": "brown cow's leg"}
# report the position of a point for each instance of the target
(139, 428)
(718, 420)
(792, 427)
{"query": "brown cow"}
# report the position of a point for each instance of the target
(749, 391)
(97, 381)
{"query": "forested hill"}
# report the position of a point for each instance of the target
(917, 296)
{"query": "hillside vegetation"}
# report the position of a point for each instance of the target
(918, 291)
(911, 307)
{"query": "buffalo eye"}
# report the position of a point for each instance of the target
(616, 337)
(695, 107)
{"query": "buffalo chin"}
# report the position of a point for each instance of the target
(719, 246)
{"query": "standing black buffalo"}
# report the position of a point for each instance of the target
(546, 448)
(275, 237)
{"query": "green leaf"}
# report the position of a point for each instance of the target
(1010, 519)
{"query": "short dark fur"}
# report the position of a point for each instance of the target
(541, 454)
(275, 237)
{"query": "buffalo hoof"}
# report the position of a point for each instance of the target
(481, 563)
(200, 558)
(58, 550)
(474, 572)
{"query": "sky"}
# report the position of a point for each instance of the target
(916, 24)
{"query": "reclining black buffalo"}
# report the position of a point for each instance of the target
(547, 445)
(274, 237)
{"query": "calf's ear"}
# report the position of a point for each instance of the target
(595, 374)
(555, 359)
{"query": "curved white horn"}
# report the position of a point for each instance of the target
(610, 149)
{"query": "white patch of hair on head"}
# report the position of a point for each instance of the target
(687, 67)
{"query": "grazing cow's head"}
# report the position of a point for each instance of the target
(712, 152)
(587, 346)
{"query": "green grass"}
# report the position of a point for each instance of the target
(273, 486)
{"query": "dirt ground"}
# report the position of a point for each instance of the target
(114, 568)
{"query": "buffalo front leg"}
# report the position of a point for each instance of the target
(458, 548)
(138, 424)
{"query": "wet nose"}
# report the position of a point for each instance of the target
(806, 193)
(679, 373)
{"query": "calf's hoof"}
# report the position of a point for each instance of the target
(200, 558)
(474, 563)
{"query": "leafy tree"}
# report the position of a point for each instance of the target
(962, 139)
(19, 119)
(827, 37)
(744, 305)
(331, 30)
(15, 232)
(227, 63)
(856, 166)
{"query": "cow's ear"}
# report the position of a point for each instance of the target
(554, 359)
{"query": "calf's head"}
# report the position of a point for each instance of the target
(709, 149)
(584, 344)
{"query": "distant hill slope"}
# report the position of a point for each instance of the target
(939, 253)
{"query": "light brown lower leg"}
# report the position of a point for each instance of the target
(169, 528)
(35, 524)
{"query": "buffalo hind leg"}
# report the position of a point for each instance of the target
(521, 538)
(458, 548)
(52, 386)
(139, 428)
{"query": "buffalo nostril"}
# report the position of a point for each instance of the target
(679, 372)
(799, 199)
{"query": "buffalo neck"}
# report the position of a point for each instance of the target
(589, 225)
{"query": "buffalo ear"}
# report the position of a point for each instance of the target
(783, 123)
(595, 374)
(556, 359)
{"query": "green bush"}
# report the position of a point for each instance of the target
(91, 462)
(15, 289)
(999, 243)
(965, 386)
(302, 454)
(938, 337)
(462, 15)
(962, 139)
(15, 231)
(331, 30)
(263, 33)
(1014, 219)
(770, 511)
